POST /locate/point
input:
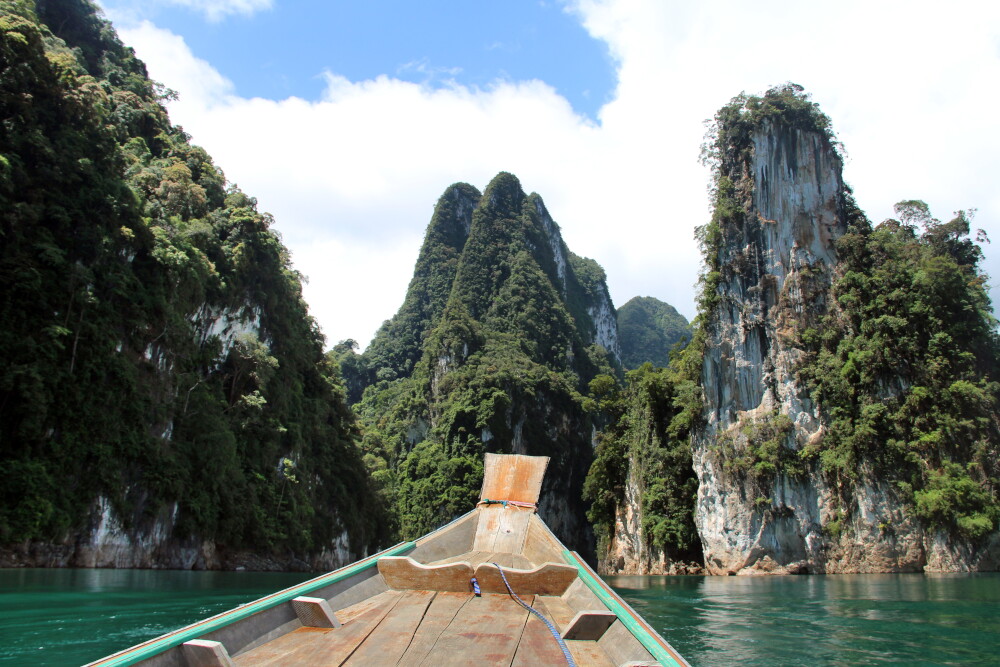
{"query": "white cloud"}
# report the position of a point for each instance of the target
(352, 178)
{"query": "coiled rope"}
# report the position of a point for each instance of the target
(552, 629)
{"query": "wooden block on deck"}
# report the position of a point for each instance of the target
(403, 573)
(204, 653)
(315, 612)
(546, 579)
(590, 624)
(513, 477)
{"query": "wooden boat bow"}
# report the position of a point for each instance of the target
(417, 604)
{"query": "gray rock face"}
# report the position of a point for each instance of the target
(107, 543)
(776, 271)
(777, 265)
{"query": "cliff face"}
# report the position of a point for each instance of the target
(773, 497)
(512, 326)
(164, 399)
(777, 265)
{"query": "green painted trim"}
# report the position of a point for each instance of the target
(170, 640)
(640, 629)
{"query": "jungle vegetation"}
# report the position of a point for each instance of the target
(155, 350)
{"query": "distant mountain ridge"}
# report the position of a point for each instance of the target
(648, 329)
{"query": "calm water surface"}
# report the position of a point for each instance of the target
(70, 617)
(873, 619)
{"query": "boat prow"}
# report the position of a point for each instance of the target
(494, 586)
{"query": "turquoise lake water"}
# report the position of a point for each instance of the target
(70, 617)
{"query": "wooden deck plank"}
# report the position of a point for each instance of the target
(505, 560)
(556, 610)
(512, 531)
(275, 652)
(347, 614)
(315, 646)
(467, 557)
(588, 654)
(490, 519)
(439, 616)
(537, 646)
(486, 630)
(389, 640)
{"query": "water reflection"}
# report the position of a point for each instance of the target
(834, 619)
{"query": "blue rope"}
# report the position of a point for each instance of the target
(552, 629)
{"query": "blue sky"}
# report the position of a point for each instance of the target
(283, 50)
(348, 120)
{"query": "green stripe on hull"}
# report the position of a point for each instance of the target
(657, 646)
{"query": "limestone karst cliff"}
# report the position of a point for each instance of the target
(501, 329)
(806, 462)
(838, 402)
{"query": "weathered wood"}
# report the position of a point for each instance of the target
(203, 653)
(546, 579)
(502, 529)
(622, 647)
(439, 616)
(314, 612)
(486, 631)
(555, 610)
(322, 646)
(589, 654)
(590, 624)
(474, 558)
(389, 640)
(275, 652)
(348, 614)
(404, 573)
(537, 646)
(540, 545)
(513, 477)
(579, 597)
(447, 541)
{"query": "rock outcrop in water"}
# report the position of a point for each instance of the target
(794, 477)
(838, 402)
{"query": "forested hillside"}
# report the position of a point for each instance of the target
(501, 331)
(649, 329)
(160, 378)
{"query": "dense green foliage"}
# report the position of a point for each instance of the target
(648, 329)
(649, 440)
(505, 350)
(906, 368)
(125, 255)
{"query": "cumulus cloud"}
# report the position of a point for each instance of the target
(353, 176)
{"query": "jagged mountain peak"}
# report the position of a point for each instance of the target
(503, 329)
